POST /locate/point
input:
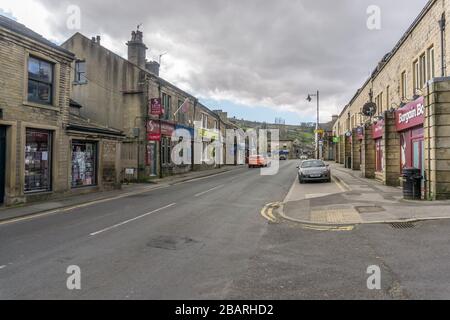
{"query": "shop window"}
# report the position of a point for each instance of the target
(40, 81)
(379, 155)
(84, 164)
(166, 151)
(38, 156)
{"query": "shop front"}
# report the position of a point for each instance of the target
(409, 123)
(38, 160)
(84, 163)
(377, 135)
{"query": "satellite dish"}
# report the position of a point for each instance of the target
(369, 109)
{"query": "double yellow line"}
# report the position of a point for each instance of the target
(267, 211)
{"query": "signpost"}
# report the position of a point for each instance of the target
(156, 107)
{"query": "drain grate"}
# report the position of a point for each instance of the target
(403, 225)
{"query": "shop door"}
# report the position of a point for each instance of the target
(418, 155)
(2, 162)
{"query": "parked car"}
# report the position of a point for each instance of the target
(283, 157)
(258, 161)
(303, 157)
(314, 170)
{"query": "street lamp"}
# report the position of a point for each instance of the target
(309, 99)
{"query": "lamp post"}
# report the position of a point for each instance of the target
(309, 98)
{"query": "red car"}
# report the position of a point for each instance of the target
(258, 161)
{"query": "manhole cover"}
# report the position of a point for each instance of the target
(171, 242)
(370, 209)
(403, 225)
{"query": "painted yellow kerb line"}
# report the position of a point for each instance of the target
(267, 212)
(339, 184)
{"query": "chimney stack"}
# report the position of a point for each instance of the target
(137, 50)
(152, 67)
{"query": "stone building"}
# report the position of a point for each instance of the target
(128, 94)
(409, 127)
(44, 147)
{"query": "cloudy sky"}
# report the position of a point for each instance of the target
(255, 59)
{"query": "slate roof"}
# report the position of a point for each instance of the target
(21, 29)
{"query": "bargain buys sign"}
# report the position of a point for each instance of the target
(411, 115)
(377, 129)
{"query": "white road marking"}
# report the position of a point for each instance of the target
(316, 195)
(74, 207)
(131, 220)
(2, 267)
(207, 191)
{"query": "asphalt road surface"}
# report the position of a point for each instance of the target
(206, 239)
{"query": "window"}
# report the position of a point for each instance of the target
(379, 167)
(380, 103)
(80, 72)
(40, 81)
(423, 71)
(215, 125)
(84, 164)
(416, 69)
(38, 157)
(166, 151)
(181, 116)
(388, 97)
(204, 121)
(167, 102)
(430, 64)
(403, 83)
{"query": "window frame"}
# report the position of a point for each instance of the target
(39, 81)
(78, 78)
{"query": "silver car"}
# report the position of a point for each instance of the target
(314, 170)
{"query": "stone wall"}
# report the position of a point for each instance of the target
(356, 151)
(368, 154)
(392, 161)
(437, 139)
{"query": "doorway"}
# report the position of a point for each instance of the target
(2, 163)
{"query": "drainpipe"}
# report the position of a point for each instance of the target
(428, 172)
(442, 23)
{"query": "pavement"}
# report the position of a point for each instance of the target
(353, 200)
(206, 239)
(25, 211)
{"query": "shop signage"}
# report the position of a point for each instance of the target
(377, 129)
(153, 132)
(167, 128)
(209, 134)
(182, 127)
(411, 115)
(336, 139)
(156, 107)
(360, 133)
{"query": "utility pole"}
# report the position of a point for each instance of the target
(318, 152)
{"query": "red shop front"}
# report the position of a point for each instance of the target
(409, 123)
(377, 134)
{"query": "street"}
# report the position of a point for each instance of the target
(207, 239)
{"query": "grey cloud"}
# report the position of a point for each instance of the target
(257, 50)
